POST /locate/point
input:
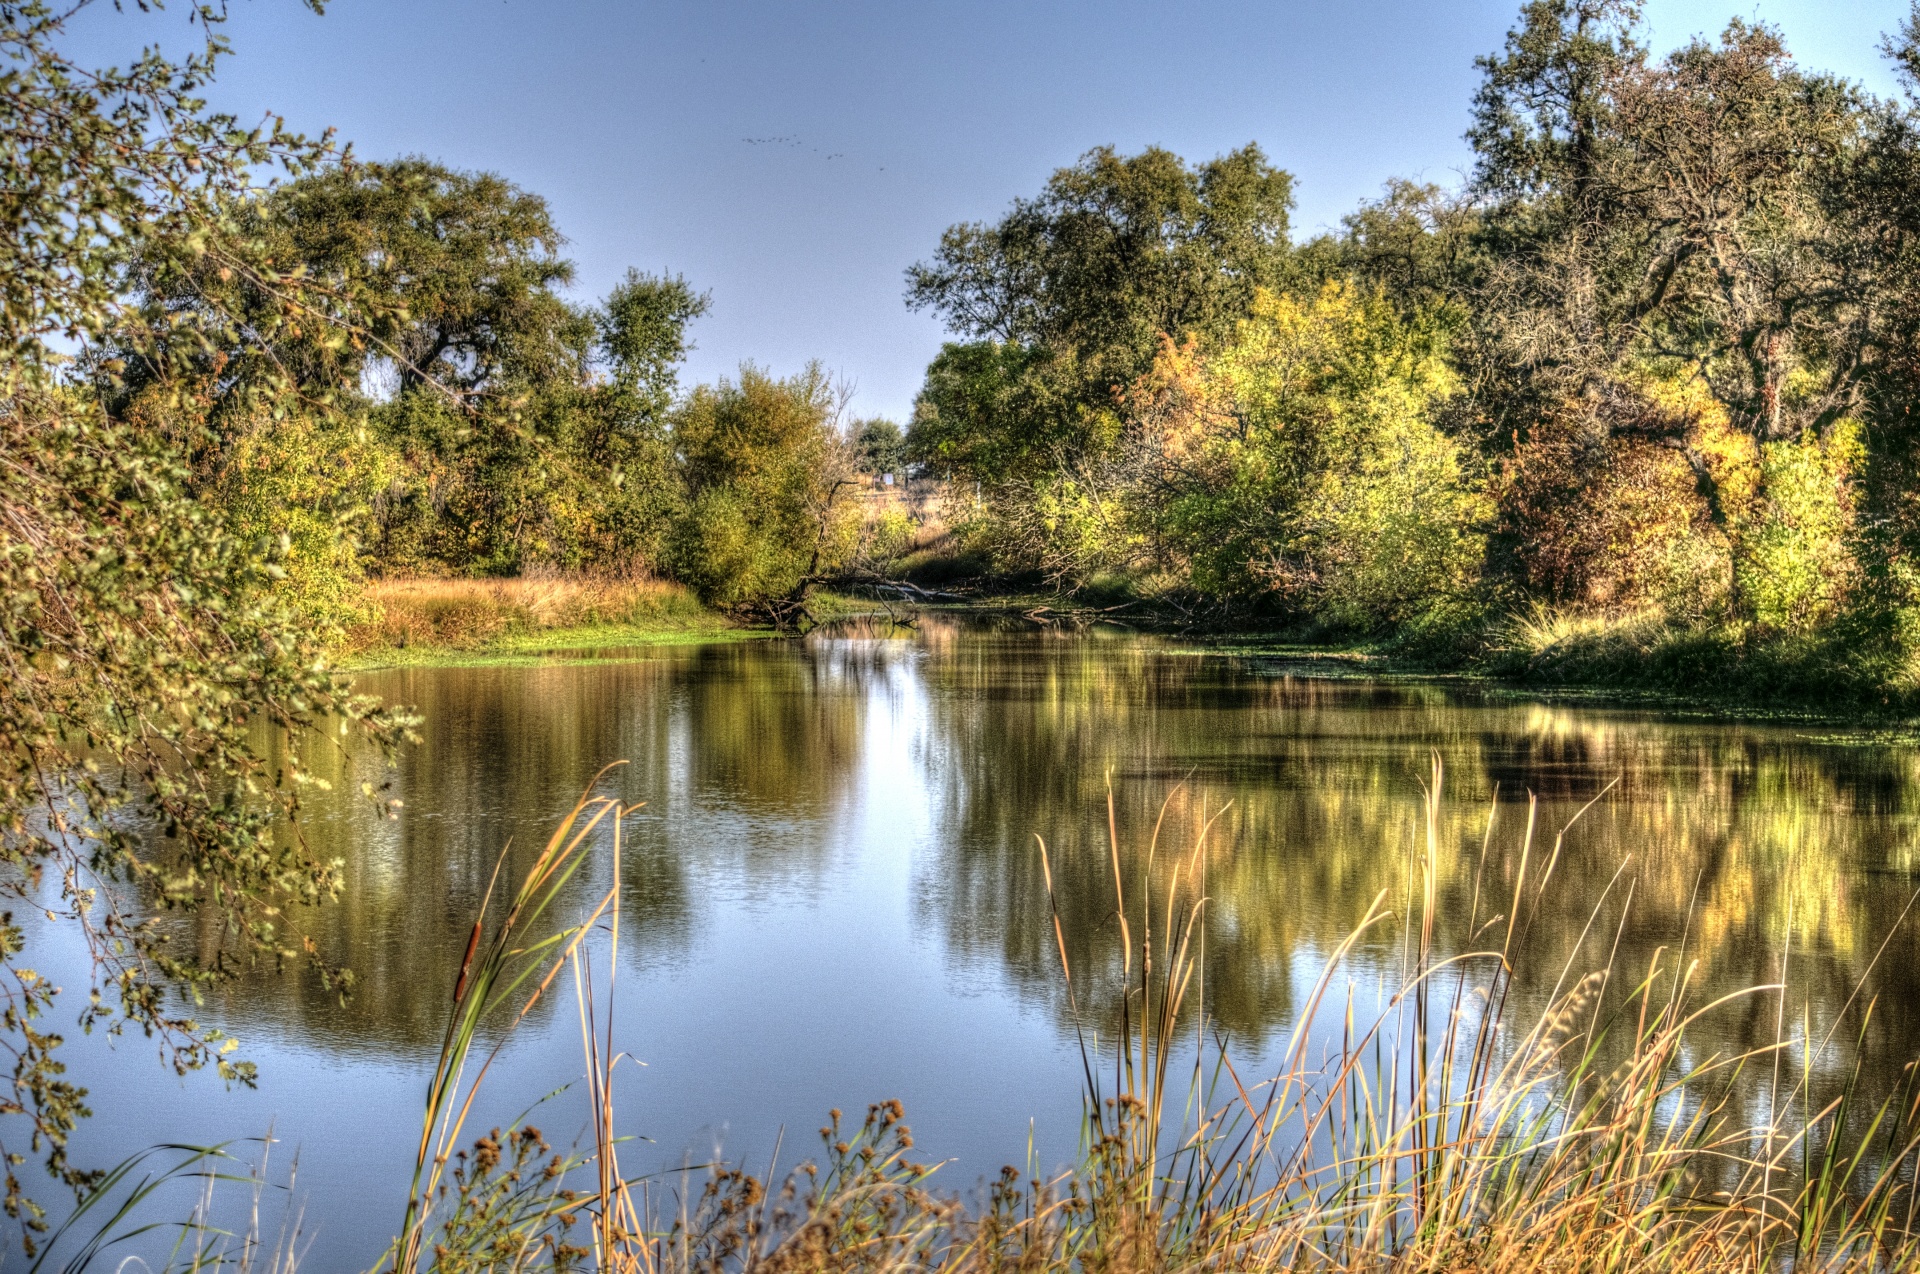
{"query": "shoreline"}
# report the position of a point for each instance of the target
(543, 646)
(1333, 661)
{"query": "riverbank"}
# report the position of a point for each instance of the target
(1853, 673)
(470, 622)
(1640, 660)
(415, 622)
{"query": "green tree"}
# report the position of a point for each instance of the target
(991, 412)
(144, 644)
(643, 342)
(1423, 246)
(765, 467)
(415, 282)
(510, 428)
(1298, 464)
(1672, 215)
(643, 333)
(879, 446)
(456, 271)
(1062, 301)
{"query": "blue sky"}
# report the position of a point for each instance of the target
(793, 157)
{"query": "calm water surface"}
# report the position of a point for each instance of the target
(833, 895)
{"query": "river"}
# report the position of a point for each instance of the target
(833, 894)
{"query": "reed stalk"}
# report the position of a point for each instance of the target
(1436, 1136)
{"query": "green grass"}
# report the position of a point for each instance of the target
(581, 644)
(1721, 696)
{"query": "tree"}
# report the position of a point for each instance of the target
(143, 643)
(1421, 245)
(643, 331)
(995, 411)
(1541, 115)
(765, 466)
(452, 274)
(1061, 303)
(441, 282)
(879, 446)
(643, 341)
(569, 466)
(511, 427)
(1297, 464)
(1669, 215)
(1876, 200)
(1666, 262)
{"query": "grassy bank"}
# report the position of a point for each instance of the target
(1855, 667)
(1847, 671)
(456, 621)
(1851, 673)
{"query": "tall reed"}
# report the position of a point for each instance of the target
(503, 1204)
(1441, 1132)
(1438, 1135)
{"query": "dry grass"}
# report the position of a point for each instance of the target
(1547, 635)
(463, 614)
(1437, 1137)
(1434, 1137)
(1851, 664)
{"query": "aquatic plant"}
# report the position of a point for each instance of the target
(1437, 1133)
(1436, 1130)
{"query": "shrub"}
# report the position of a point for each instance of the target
(1300, 463)
(765, 470)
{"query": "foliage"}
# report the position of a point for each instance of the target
(1794, 564)
(879, 446)
(988, 412)
(1671, 271)
(145, 642)
(450, 277)
(1066, 296)
(143, 645)
(512, 428)
(307, 482)
(1677, 300)
(105, 167)
(1070, 528)
(766, 469)
(1301, 461)
(301, 478)
(1295, 465)
(643, 330)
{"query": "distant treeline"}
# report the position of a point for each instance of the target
(431, 404)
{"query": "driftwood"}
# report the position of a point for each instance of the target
(1045, 615)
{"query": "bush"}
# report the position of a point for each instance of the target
(1300, 464)
(766, 471)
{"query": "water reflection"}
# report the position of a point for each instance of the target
(1711, 843)
(761, 763)
(742, 754)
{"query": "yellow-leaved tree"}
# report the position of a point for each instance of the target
(1300, 462)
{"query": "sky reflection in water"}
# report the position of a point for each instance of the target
(833, 895)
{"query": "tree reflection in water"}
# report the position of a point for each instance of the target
(753, 756)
